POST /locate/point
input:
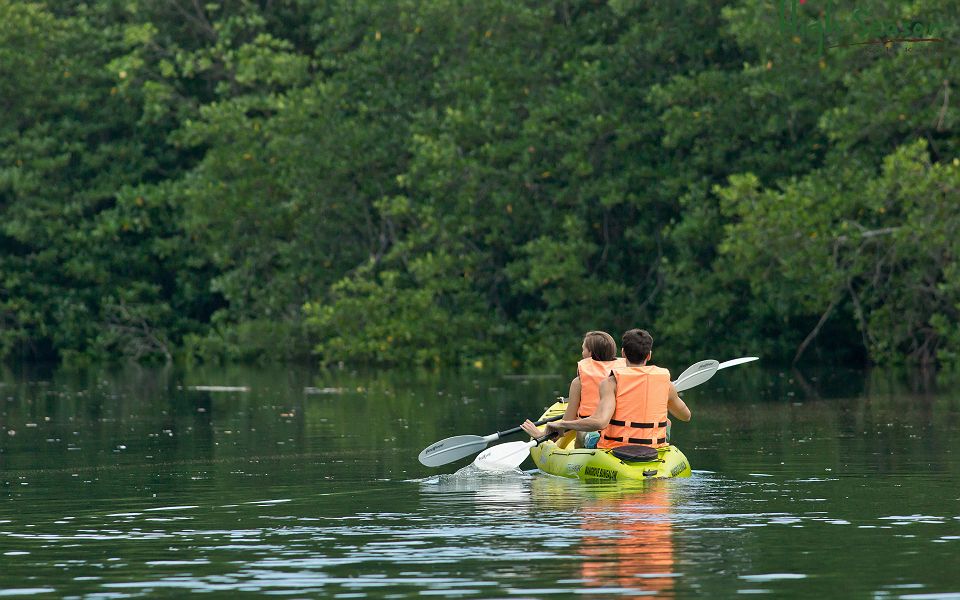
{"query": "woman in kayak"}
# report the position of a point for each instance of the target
(599, 353)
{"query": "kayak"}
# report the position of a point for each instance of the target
(591, 464)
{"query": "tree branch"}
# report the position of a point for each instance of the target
(858, 311)
(946, 102)
(816, 330)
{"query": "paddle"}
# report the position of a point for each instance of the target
(505, 457)
(511, 455)
(696, 374)
(462, 446)
(737, 361)
(704, 370)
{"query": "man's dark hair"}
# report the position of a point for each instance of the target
(637, 344)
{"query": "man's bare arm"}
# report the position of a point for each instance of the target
(677, 407)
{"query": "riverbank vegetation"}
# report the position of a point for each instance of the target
(452, 182)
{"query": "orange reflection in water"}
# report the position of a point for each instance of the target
(629, 543)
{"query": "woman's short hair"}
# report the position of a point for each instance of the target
(601, 345)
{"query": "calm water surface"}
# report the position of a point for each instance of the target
(133, 483)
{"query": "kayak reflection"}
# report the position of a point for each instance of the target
(627, 537)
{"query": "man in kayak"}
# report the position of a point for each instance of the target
(599, 358)
(634, 402)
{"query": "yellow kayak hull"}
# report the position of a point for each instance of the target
(590, 464)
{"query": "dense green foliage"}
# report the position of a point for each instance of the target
(445, 182)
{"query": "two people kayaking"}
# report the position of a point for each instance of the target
(618, 401)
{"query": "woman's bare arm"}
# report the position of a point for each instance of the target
(573, 398)
(600, 417)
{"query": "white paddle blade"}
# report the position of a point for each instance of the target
(737, 361)
(695, 367)
(451, 449)
(504, 457)
(706, 370)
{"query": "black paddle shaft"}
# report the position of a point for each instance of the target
(500, 434)
(543, 438)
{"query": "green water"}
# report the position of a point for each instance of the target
(126, 484)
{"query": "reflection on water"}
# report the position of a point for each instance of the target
(629, 539)
(620, 535)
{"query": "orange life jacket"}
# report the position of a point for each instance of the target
(591, 373)
(641, 413)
